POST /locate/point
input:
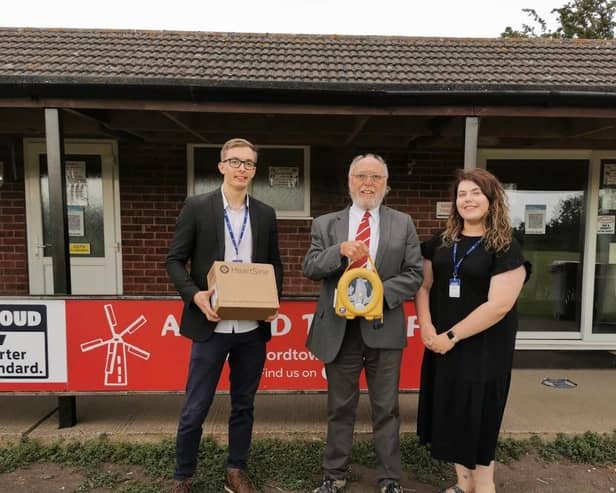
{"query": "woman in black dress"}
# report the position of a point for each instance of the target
(473, 275)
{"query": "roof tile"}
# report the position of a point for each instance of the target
(291, 60)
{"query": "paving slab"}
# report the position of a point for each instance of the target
(532, 408)
(20, 414)
(536, 408)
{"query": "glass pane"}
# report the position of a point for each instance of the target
(279, 180)
(207, 176)
(604, 317)
(84, 202)
(546, 198)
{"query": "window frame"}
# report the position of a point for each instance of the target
(304, 213)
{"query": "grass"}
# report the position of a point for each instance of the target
(291, 465)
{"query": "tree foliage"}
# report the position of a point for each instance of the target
(563, 232)
(583, 19)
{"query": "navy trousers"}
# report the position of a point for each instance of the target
(246, 354)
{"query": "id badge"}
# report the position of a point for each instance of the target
(454, 288)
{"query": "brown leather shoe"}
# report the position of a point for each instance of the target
(183, 486)
(238, 482)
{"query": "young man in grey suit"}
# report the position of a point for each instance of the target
(348, 346)
(225, 224)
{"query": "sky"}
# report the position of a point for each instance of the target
(440, 18)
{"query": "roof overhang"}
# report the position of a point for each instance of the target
(330, 98)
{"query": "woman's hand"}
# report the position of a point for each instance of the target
(428, 333)
(442, 344)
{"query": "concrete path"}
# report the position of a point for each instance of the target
(532, 408)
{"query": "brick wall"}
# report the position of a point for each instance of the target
(13, 248)
(152, 191)
(428, 183)
(153, 188)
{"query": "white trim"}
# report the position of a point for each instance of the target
(117, 216)
(280, 214)
(471, 141)
(307, 182)
(551, 344)
(591, 207)
(559, 335)
(34, 215)
(190, 168)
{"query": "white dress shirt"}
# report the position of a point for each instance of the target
(236, 218)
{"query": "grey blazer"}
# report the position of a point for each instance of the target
(399, 264)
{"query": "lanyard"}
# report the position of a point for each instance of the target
(456, 265)
(236, 244)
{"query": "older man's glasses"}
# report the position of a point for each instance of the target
(236, 163)
(374, 178)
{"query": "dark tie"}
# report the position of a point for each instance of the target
(363, 235)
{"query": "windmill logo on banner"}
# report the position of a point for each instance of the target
(116, 369)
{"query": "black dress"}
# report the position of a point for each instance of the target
(463, 392)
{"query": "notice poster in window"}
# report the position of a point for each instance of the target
(605, 225)
(534, 219)
(609, 174)
(283, 176)
(79, 248)
(76, 183)
(608, 199)
(76, 225)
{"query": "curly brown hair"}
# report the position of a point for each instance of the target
(498, 233)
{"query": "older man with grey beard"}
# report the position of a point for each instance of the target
(346, 238)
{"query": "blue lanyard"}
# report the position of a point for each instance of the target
(236, 244)
(456, 265)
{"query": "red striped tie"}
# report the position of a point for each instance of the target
(363, 234)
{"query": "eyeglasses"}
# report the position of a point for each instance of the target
(236, 163)
(374, 178)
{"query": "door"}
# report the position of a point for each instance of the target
(92, 197)
(547, 194)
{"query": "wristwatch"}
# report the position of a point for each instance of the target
(452, 336)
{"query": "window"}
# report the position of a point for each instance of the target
(547, 194)
(84, 198)
(282, 179)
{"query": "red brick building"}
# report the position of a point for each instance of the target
(141, 113)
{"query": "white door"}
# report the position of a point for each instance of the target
(93, 213)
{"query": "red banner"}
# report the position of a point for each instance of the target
(135, 345)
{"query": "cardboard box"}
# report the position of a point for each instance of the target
(243, 291)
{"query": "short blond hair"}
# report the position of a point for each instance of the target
(230, 144)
